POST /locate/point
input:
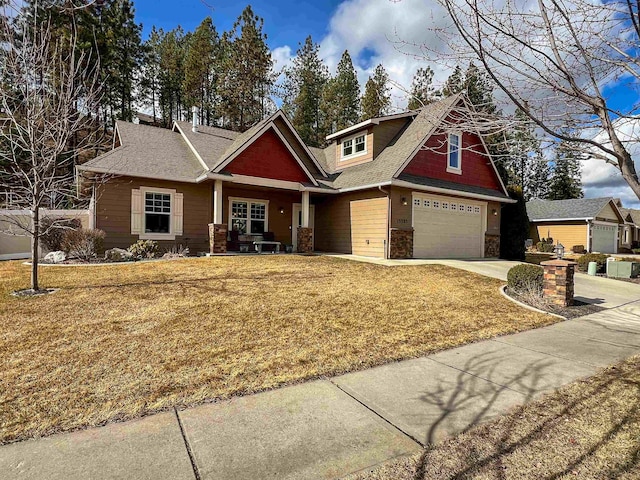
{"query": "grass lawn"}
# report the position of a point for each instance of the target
(116, 342)
(587, 430)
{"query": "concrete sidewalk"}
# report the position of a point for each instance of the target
(330, 428)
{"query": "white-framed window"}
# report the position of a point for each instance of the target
(436, 204)
(454, 157)
(454, 207)
(249, 216)
(445, 205)
(354, 146)
(416, 202)
(156, 213)
(426, 203)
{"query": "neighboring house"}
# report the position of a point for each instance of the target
(392, 187)
(630, 237)
(595, 223)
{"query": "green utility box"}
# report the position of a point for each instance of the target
(623, 269)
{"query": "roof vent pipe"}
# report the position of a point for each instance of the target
(194, 121)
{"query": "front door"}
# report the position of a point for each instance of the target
(296, 222)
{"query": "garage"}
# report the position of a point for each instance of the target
(604, 238)
(369, 227)
(447, 227)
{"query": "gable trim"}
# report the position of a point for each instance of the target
(616, 210)
(195, 152)
(255, 137)
(447, 191)
(304, 145)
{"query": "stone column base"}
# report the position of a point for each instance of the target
(491, 245)
(217, 238)
(400, 243)
(305, 240)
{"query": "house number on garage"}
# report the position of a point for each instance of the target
(403, 220)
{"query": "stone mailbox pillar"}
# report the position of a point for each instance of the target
(217, 238)
(558, 281)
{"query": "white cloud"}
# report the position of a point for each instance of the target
(601, 179)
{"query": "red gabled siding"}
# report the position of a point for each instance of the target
(268, 157)
(477, 170)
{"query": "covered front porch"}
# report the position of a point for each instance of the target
(248, 218)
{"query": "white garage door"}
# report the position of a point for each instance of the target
(604, 238)
(445, 227)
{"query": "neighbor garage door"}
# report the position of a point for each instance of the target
(604, 238)
(369, 227)
(446, 227)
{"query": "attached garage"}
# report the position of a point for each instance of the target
(369, 227)
(604, 238)
(447, 227)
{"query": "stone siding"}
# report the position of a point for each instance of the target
(305, 240)
(217, 238)
(401, 243)
(491, 246)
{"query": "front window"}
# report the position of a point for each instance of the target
(157, 212)
(249, 217)
(354, 146)
(454, 152)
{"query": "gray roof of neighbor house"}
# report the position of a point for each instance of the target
(635, 214)
(147, 151)
(578, 208)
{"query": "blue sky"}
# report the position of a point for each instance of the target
(368, 29)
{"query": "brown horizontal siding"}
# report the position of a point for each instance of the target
(113, 212)
(333, 220)
(385, 132)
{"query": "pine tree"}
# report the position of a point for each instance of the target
(171, 50)
(245, 72)
(422, 90)
(150, 71)
(199, 81)
(479, 89)
(341, 97)
(304, 85)
(376, 100)
(454, 84)
(566, 181)
(539, 178)
(123, 56)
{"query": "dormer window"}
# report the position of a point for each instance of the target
(454, 162)
(354, 146)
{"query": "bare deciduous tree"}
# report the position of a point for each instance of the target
(47, 93)
(554, 59)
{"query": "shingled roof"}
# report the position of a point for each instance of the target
(635, 214)
(147, 151)
(574, 209)
(183, 155)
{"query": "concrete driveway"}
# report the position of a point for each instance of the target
(597, 290)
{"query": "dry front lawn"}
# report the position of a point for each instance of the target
(589, 430)
(116, 342)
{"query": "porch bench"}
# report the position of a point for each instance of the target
(260, 243)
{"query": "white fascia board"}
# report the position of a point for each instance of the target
(191, 147)
(352, 128)
(447, 191)
(580, 219)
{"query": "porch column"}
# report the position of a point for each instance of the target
(217, 229)
(305, 209)
(305, 234)
(217, 202)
